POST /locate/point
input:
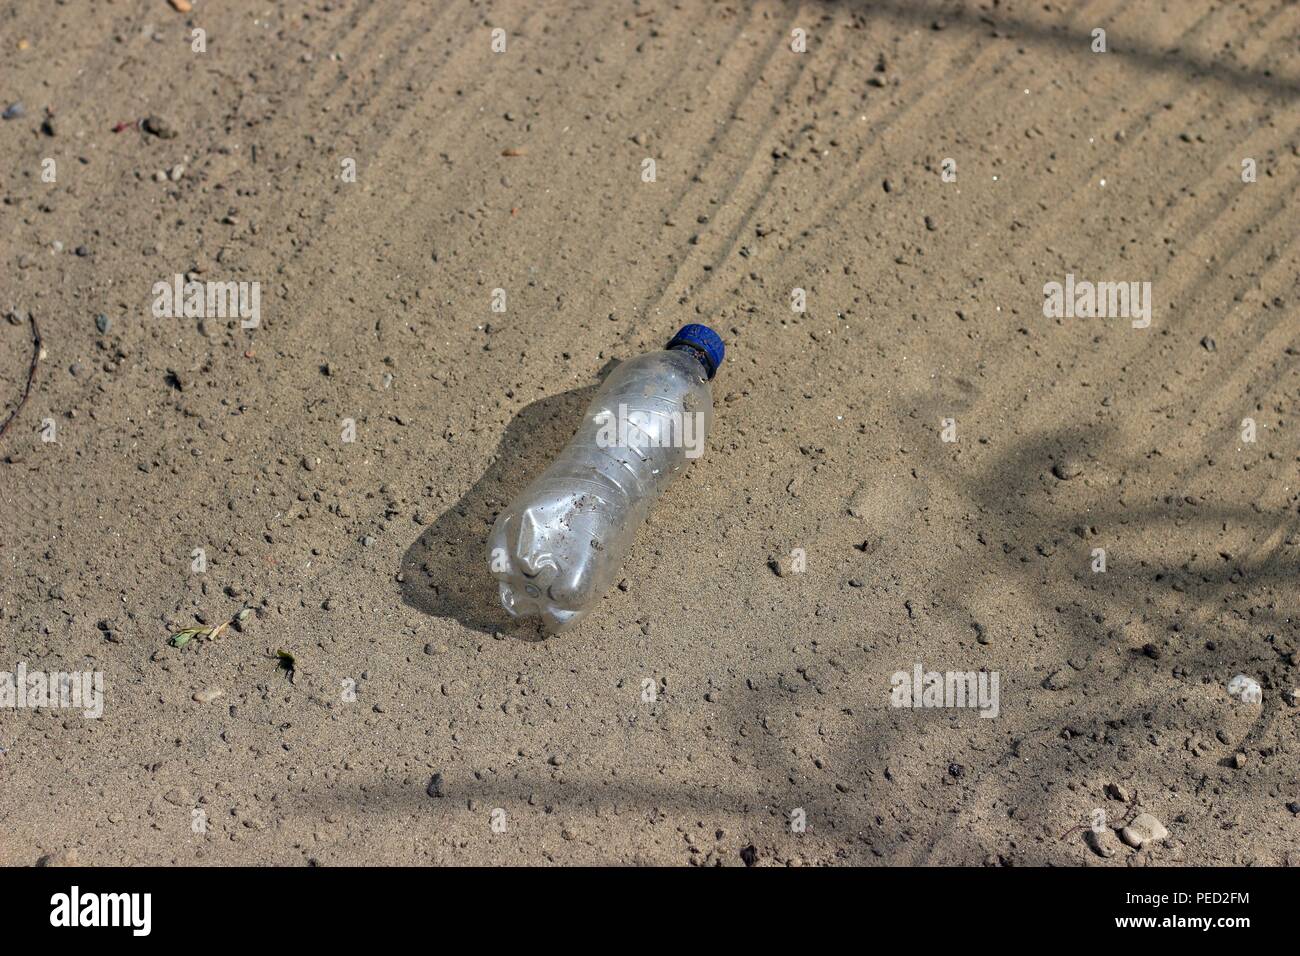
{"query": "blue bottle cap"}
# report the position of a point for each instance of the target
(706, 343)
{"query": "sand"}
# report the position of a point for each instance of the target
(379, 170)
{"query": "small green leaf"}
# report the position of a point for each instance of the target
(183, 637)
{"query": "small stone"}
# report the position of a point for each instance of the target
(1117, 792)
(1143, 830)
(102, 323)
(782, 566)
(209, 695)
(82, 251)
(1208, 343)
(435, 649)
(308, 463)
(1239, 760)
(176, 172)
(435, 787)
(1068, 468)
(14, 111)
(749, 855)
(1245, 689)
(159, 127)
(181, 6)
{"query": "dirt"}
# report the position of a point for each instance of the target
(709, 705)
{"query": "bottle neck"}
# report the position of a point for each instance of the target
(696, 353)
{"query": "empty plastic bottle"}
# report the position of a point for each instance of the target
(556, 548)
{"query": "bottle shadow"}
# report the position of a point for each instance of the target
(445, 570)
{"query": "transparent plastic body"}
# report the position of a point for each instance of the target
(556, 549)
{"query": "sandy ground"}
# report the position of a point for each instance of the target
(774, 170)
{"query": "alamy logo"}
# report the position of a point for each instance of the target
(1102, 300)
(103, 909)
(640, 429)
(921, 688)
(70, 690)
(179, 299)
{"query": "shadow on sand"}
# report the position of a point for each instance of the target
(445, 571)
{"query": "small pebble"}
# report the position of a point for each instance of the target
(159, 127)
(209, 695)
(1068, 468)
(1245, 689)
(14, 111)
(102, 323)
(1143, 830)
(782, 566)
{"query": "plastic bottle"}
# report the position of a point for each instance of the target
(556, 548)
